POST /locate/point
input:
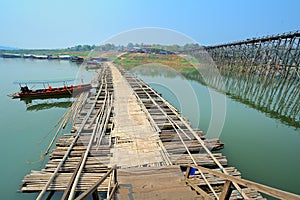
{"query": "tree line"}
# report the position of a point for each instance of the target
(129, 46)
(106, 47)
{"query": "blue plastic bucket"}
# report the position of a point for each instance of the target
(192, 171)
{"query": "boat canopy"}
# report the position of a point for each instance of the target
(43, 81)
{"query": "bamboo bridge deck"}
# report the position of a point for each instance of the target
(127, 138)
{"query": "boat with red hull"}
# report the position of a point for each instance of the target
(65, 91)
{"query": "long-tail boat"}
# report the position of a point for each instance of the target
(50, 92)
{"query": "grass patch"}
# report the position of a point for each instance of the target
(132, 60)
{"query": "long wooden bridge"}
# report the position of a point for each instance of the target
(260, 72)
(127, 142)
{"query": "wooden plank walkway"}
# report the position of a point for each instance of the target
(134, 136)
(165, 182)
(124, 122)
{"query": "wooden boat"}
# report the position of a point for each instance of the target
(11, 55)
(77, 59)
(93, 66)
(65, 91)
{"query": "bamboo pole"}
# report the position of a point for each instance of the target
(61, 126)
(66, 192)
(41, 194)
(82, 164)
(76, 180)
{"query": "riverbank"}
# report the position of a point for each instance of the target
(177, 62)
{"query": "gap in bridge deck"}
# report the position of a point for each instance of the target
(135, 139)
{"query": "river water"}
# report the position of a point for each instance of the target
(25, 127)
(262, 148)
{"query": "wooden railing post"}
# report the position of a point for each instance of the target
(115, 175)
(116, 184)
(226, 192)
(187, 173)
(95, 195)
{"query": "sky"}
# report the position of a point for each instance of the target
(65, 23)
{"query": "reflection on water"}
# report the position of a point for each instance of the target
(277, 98)
(43, 105)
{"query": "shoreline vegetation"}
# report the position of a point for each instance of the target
(87, 50)
(129, 56)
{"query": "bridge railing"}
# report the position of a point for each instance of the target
(230, 181)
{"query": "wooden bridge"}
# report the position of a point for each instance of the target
(260, 72)
(127, 142)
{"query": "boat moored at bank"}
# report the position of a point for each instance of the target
(49, 92)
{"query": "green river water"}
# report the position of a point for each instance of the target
(262, 148)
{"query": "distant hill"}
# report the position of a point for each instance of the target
(8, 48)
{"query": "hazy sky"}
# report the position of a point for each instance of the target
(65, 23)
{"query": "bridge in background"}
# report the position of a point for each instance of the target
(276, 53)
(260, 72)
